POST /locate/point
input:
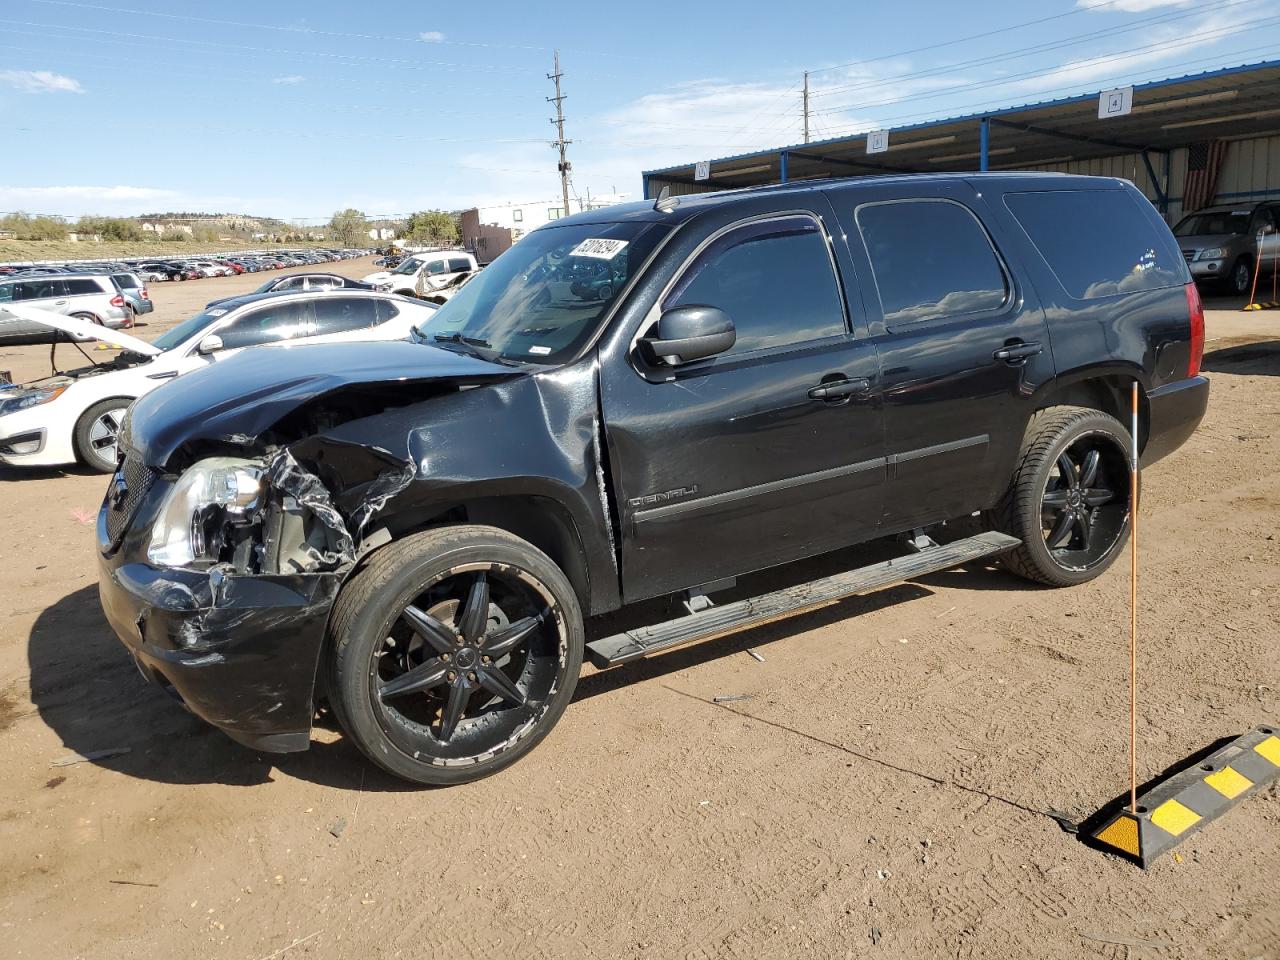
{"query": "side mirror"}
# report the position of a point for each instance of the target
(210, 344)
(689, 333)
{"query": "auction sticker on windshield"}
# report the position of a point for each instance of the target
(600, 249)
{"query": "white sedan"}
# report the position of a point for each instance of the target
(74, 416)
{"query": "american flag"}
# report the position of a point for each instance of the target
(1204, 161)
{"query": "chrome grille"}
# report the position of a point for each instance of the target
(130, 484)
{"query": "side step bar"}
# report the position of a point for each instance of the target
(732, 617)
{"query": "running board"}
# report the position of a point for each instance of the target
(755, 611)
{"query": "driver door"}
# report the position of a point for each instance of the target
(741, 461)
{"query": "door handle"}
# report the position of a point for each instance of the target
(59, 303)
(1017, 352)
(839, 389)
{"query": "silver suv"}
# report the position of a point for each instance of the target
(90, 296)
(1221, 244)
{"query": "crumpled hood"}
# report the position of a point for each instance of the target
(241, 397)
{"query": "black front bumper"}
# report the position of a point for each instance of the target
(240, 651)
(1174, 411)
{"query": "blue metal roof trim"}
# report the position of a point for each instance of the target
(999, 111)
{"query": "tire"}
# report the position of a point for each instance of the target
(404, 726)
(1241, 276)
(1070, 532)
(96, 425)
(91, 318)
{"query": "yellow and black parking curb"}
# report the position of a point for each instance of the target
(1173, 809)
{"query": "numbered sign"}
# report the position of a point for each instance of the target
(1115, 103)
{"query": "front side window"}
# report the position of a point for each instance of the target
(930, 259)
(6, 292)
(434, 267)
(344, 314)
(274, 323)
(1098, 242)
(775, 280)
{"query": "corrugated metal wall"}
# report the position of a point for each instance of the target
(1251, 172)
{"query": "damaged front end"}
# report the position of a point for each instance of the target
(220, 578)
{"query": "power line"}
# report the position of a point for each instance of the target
(1021, 52)
(975, 108)
(1188, 39)
(976, 36)
(344, 34)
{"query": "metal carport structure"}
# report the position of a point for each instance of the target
(1147, 145)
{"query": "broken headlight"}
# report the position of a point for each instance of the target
(210, 496)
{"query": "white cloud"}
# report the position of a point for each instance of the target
(290, 79)
(40, 81)
(124, 200)
(431, 36)
(1130, 6)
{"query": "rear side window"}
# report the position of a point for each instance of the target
(773, 278)
(42, 289)
(125, 281)
(930, 259)
(344, 314)
(82, 286)
(386, 310)
(459, 264)
(1097, 242)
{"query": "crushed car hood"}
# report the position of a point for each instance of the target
(82, 328)
(237, 399)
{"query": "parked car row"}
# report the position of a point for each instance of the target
(75, 415)
(155, 270)
(111, 300)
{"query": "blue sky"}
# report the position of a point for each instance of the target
(295, 109)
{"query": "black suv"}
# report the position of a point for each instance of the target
(414, 531)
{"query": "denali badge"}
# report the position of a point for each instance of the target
(653, 498)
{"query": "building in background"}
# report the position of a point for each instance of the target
(488, 231)
(1186, 143)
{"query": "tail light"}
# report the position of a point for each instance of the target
(145, 294)
(1196, 309)
(117, 301)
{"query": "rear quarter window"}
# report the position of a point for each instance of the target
(82, 287)
(1098, 243)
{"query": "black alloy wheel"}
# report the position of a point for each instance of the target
(455, 651)
(1084, 507)
(1068, 498)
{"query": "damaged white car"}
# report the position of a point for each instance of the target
(74, 415)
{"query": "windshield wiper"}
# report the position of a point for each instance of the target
(457, 337)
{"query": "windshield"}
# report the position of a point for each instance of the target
(1212, 222)
(408, 266)
(188, 328)
(543, 298)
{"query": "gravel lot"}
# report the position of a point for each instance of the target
(890, 789)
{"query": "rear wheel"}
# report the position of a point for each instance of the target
(455, 651)
(97, 432)
(1068, 501)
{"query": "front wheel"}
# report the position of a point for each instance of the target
(97, 432)
(1068, 500)
(1241, 275)
(454, 652)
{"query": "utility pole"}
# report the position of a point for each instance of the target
(560, 142)
(806, 106)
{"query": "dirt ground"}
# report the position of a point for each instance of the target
(892, 788)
